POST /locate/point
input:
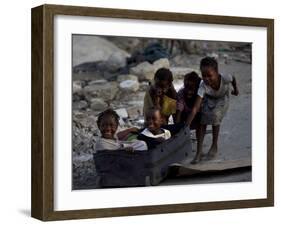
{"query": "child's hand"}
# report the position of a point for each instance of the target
(129, 149)
(235, 92)
(158, 92)
(134, 130)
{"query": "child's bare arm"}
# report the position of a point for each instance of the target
(194, 110)
(235, 90)
(129, 149)
(124, 133)
(178, 116)
(156, 95)
(173, 91)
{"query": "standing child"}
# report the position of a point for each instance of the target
(108, 122)
(213, 94)
(161, 94)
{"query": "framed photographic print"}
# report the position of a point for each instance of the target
(141, 112)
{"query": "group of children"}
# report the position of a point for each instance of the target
(201, 102)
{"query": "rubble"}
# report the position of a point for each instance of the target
(79, 105)
(108, 77)
(98, 104)
(104, 89)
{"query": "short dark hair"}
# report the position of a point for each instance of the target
(192, 76)
(163, 74)
(209, 62)
(152, 110)
(108, 112)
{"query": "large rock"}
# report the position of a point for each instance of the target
(129, 85)
(161, 63)
(98, 104)
(103, 89)
(117, 60)
(145, 70)
(88, 48)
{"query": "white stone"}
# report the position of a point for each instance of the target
(76, 86)
(214, 55)
(122, 112)
(129, 85)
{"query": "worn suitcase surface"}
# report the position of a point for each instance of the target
(118, 168)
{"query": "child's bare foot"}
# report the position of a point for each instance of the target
(212, 152)
(196, 159)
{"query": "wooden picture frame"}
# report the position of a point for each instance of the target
(42, 205)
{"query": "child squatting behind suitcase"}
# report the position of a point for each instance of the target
(161, 94)
(186, 97)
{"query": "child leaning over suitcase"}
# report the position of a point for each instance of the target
(213, 94)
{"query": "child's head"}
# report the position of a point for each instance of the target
(153, 120)
(163, 79)
(108, 122)
(209, 70)
(191, 84)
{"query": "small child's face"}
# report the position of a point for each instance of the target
(210, 76)
(190, 88)
(162, 85)
(108, 127)
(154, 121)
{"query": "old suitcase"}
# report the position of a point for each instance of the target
(118, 168)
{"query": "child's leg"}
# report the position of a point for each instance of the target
(214, 148)
(200, 133)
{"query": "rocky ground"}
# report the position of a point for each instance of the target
(115, 72)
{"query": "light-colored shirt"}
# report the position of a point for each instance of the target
(166, 134)
(222, 91)
(115, 144)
